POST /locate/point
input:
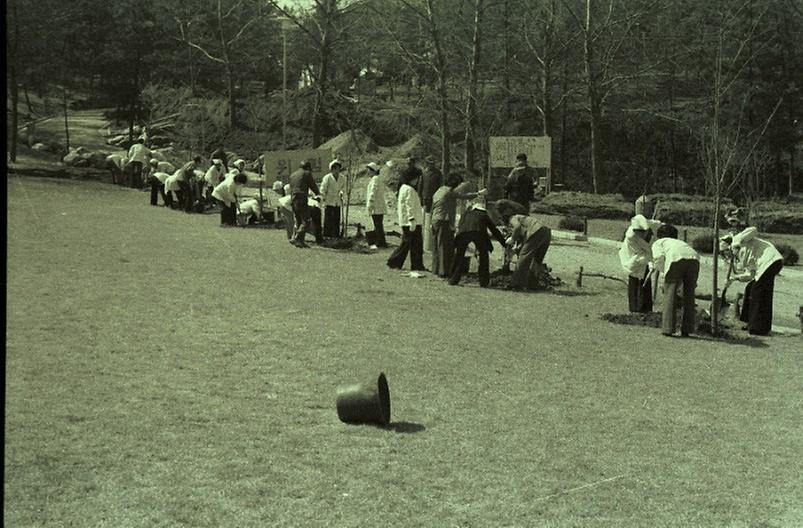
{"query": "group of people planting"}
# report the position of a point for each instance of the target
(650, 248)
(427, 213)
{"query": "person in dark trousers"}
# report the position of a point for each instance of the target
(533, 239)
(138, 156)
(444, 212)
(520, 184)
(375, 204)
(185, 177)
(157, 181)
(301, 183)
(332, 187)
(474, 228)
(227, 193)
(680, 265)
(411, 219)
(758, 262)
(431, 180)
(635, 254)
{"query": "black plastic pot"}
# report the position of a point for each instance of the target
(367, 403)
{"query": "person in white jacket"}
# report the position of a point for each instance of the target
(226, 192)
(375, 205)
(635, 254)
(680, 265)
(332, 193)
(138, 156)
(213, 177)
(757, 262)
(411, 220)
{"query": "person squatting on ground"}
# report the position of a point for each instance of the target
(332, 195)
(521, 183)
(474, 228)
(214, 176)
(431, 180)
(117, 165)
(301, 183)
(226, 192)
(253, 209)
(138, 156)
(532, 239)
(635, 254)
(375, 205)
(680, 265)
(757, 263)
(443, 218)
(184, 180)
(411, 219)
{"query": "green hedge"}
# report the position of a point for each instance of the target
(690, 212)
(790, 222)
(705, 244)
(572, 223)
(585, 205)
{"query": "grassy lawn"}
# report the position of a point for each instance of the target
(162, 371)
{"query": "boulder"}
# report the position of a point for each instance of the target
(39, 147)
(354, 143)
(160, 141)
(97, 159)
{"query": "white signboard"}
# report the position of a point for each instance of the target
(279, 164)
(505, 149)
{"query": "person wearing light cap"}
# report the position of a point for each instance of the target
(680, 265)
(238, 167)
(156, 180)
(635, 254)
(375, 205)
(138, 156)
(213, 177)
(757, 262)
(332, 194)
(532, 239)
(117, 165)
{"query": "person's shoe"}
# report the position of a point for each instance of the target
(684, 334)
(390, 266)
(373, 247)
(422, 270)
(667, 334)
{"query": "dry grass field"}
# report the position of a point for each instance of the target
(162, 371)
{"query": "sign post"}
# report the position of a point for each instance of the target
(279, 164)
(503, 157)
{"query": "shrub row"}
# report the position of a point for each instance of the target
(690, 212)
(585, 205)
(572, 223)
(790, 222)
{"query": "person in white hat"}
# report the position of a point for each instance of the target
(757, 262)
(116, 164)
(226, 192)
(635, 254)
(213, 177)
(411, 220)
(332, 194)
(375, 205)
(156, 183)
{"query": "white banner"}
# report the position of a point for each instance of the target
(279, 164)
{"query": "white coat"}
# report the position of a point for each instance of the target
(375, 197)
(754, 255)
(139, 152)
(635, 252)
(409, 208)
(332, 189)
(214, 175)
(226, 191)
(171, 183)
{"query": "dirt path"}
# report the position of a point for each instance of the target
(86, 129)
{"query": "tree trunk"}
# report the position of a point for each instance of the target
(506, 43)
(792, 170)
(27, 100)
(443, 92)
(593, 98)
(596, 139)
(65, 107)
(232, 97)
(471, 103)
(13, 81)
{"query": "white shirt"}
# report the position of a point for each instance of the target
(754, 254)
(286, 202)
(409, 207)
(118, 160)
(666, 251)
(375, 197)
(332, 189)
(226, 191)
(161, 176)
(636, 252)
(171, 183)
(251, 207)
(139, 152)
(214, 175)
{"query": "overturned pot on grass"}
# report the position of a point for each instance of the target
(367, 403)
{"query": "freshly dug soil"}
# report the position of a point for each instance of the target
(653, 320)
(501, 280)
(353, 245)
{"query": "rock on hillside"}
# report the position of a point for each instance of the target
(353, 143)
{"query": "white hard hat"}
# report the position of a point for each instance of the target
(154, 161)
(239, 162)
(335, 162)
(217, 161)
(374, 167)
(278, 186)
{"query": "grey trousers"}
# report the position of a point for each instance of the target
(681, 277)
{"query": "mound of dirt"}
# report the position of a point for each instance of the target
(353, 143)
(501, 280)
(354, 245)
(653, 320)
(420, 146)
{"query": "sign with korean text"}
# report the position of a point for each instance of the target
(505, 149)
(279, 164)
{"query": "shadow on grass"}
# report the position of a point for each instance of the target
(573, 293)
(405, 427)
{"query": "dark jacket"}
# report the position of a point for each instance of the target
(301, 182)
(520, 185)
(478, 223)
(430, 181)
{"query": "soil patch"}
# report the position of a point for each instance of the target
(653, 320)
(502, 280)
(354, 245)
